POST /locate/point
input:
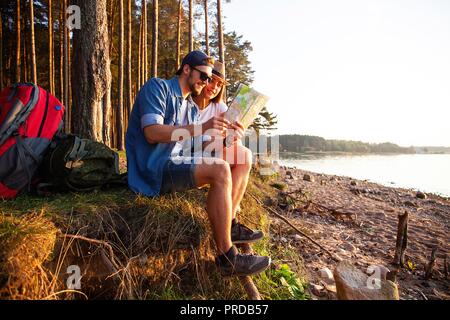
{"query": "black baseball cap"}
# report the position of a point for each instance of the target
(194, 59)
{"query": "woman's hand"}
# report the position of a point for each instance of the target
(218, 123)
(239, 130)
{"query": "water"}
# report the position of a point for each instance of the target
(424, 172)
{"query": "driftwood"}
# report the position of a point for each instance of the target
(295, 228)
(430, 266)
(402, 239)
(247, 282)
(334, 212)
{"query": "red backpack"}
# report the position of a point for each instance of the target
(29, 119)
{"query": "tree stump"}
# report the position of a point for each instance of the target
(402, 239)
(429, 269)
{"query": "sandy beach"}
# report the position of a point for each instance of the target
(357, 221)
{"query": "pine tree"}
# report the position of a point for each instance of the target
(119, 114)
(155, 40)
(33, 44)
(18, 47)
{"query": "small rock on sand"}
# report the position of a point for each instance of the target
(421, 195)
(308, 177)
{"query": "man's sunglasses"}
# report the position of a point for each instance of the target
(203, 75)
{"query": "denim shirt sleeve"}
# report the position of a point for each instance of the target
(152, 103)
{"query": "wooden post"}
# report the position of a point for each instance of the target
(429, 269)
(402, 239)
(247, 282)
(445, 267)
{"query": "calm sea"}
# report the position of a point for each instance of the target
(425, 172)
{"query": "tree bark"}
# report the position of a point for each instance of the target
(206, 28)
(33, 44)
(145, 42)
(140, 74)
(128, 64)
(1, 51)
(51, 67)
(191, 26)
(91, 73)
(180, 15)
(119, 114)
(61, 56)
(26, 43)
(221, 44)
(66, 68)
(220, 31)
(18, 44)
(155, 40)
(402, 239)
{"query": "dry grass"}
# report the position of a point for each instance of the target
(127, 246)
(25, 245)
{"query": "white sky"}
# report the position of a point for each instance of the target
(368, 70)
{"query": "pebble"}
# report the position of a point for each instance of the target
(297, 237)
(348, 247)
(327, 275)
(421, 195)
(317, 290)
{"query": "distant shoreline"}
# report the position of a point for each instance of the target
(346, 153)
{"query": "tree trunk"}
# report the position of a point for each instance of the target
(155, 40)
(220, 36)
(51, 67)
(119, 113)
(140, 76)
(111, 20)
(206, 28)
(220, 31)
(1, 51)
(33, 44)
(145, 41)
(191, 26)
(18, 46)
(66, 68)
(91, 73)
(25, 55)
(129, 64)
(61, 55)
(180, 15)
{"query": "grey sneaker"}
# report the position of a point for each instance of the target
(242, 234)
(235, 264)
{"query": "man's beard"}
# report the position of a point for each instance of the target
(194, 92)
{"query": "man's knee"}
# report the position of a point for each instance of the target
(221, 173)
(218, 172)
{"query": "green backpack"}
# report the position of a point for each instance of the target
(75, 164)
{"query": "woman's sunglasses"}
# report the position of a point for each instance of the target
(203, 75)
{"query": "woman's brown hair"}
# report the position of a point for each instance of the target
(219, 97)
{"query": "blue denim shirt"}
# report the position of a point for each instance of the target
(158, 102)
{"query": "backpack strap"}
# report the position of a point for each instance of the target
(78, 149)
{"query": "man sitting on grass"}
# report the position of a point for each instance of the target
(157, 165)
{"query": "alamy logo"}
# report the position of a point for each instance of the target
(73, 17)
(74, 280)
